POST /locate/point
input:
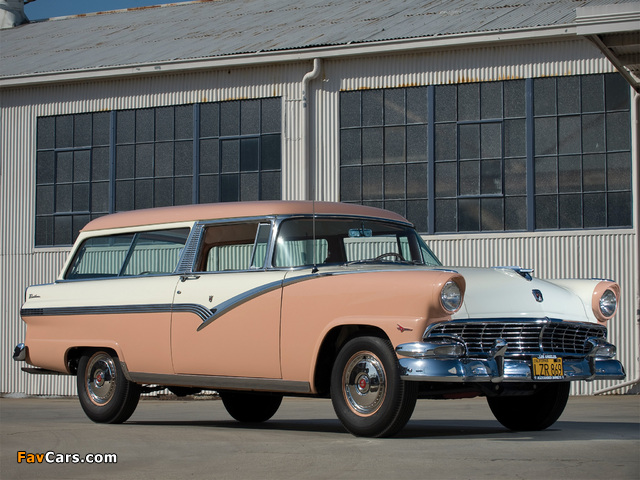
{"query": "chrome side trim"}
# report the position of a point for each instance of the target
(222, 383)
(201, 311)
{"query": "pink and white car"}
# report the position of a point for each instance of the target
(266, 299)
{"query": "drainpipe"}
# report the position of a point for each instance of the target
(306, 154)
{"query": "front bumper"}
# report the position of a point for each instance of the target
(446, 360)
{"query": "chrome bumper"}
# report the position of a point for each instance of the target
(445, 360)
(20, 352)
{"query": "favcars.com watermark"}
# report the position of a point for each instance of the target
(53, 457)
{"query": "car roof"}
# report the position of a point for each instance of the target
(216, 211)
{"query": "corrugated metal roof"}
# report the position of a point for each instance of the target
(209, 29)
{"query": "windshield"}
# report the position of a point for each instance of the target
(303, 242)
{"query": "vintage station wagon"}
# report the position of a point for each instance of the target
(266, 299)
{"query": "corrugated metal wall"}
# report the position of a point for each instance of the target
(568, 254)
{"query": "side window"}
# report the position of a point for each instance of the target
(145, 253)
(231, 247)
(154, 253)
(296, 247)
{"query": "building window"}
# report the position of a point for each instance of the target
(516, 155)
(92, 164)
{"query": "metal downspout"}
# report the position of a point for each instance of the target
(309, 190)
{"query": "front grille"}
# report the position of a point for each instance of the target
(532, 337)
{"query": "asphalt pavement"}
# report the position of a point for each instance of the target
(50, 438)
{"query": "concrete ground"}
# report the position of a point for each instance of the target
(596, 438)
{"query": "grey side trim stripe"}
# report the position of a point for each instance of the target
(201, 311)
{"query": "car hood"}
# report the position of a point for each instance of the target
(505, 293)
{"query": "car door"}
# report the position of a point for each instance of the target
(226, 314)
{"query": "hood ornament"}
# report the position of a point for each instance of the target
(537, 294)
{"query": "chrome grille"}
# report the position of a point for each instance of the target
(522, 337)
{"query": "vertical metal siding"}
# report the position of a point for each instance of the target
(571, 254)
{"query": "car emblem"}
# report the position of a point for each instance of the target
(537, 294)
(403, 329)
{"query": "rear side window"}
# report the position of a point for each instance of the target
(133, 254)
(233, 247)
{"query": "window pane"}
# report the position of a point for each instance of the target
(144, 160)
(416, 105)
(418, 213)
(619, 171)
(593, 172)
(208, 188)
(271, 115)
(469, 102)
(469, 141)
(491, 140)
(230, 156)
(394, 185)
(446, 216)
(544, 96)
(99, 197)
(372, 183)
(595, 210)
(250, 117)
(64, 131)
(125, 126)
(446, 179)
(249, 155)
(446, 142)
(470, 178)
(492, 214)
(515, 138)
(124, 195)
(546, 212)
(143, 194)
(45, 200)
(569, 140)
(394, 149)
(514, 98)
(394, 106)
(618, 131)
(372, 146)
(446, 103)
(63, 234)
(491, 177)
(491, 99)
(101, 128)
(570, 174)
(350, 109)
(417, 180)
(546, 175)
(515, 213)
(183, 188)
(229, 188)
(145, 125)
(81, 166)
(545, 136)
(184, 122)
(64, 167)
(163, 192)
(592, 93)
(570, 211)
(270, 186)
(617, 92)
(164, 123)
(164, 160)
(568, 95)
(125, 161)
(209, 161)
(45, 167)
(229, 118)
(350, 147)
(372, 108)
(184, 158)
(82, 130)
(515, 176)
(249, 187)
(417, 143)
(270, 152)
(619, 209)
(209, 120)
(46, 132)
(469, 215)
(593, 133)
(350, 185)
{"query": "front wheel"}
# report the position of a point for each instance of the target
(531, 412)
(249, 407)
(367, 393)
(106, 396)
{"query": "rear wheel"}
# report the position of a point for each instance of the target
(251, 407)
(367, 393)
(531, 412)
(106, 396)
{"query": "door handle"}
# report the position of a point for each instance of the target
(184, 278)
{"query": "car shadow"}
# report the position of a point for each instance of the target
(561, 431)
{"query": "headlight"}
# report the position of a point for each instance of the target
(451, 296)
(608, 303)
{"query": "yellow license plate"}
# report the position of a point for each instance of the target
(547, 369)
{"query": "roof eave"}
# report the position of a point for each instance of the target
(295, 55)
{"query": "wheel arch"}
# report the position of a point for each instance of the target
(331, 344)
(73, 355)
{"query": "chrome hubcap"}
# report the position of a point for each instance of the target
(101, 378)
(364, 383)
